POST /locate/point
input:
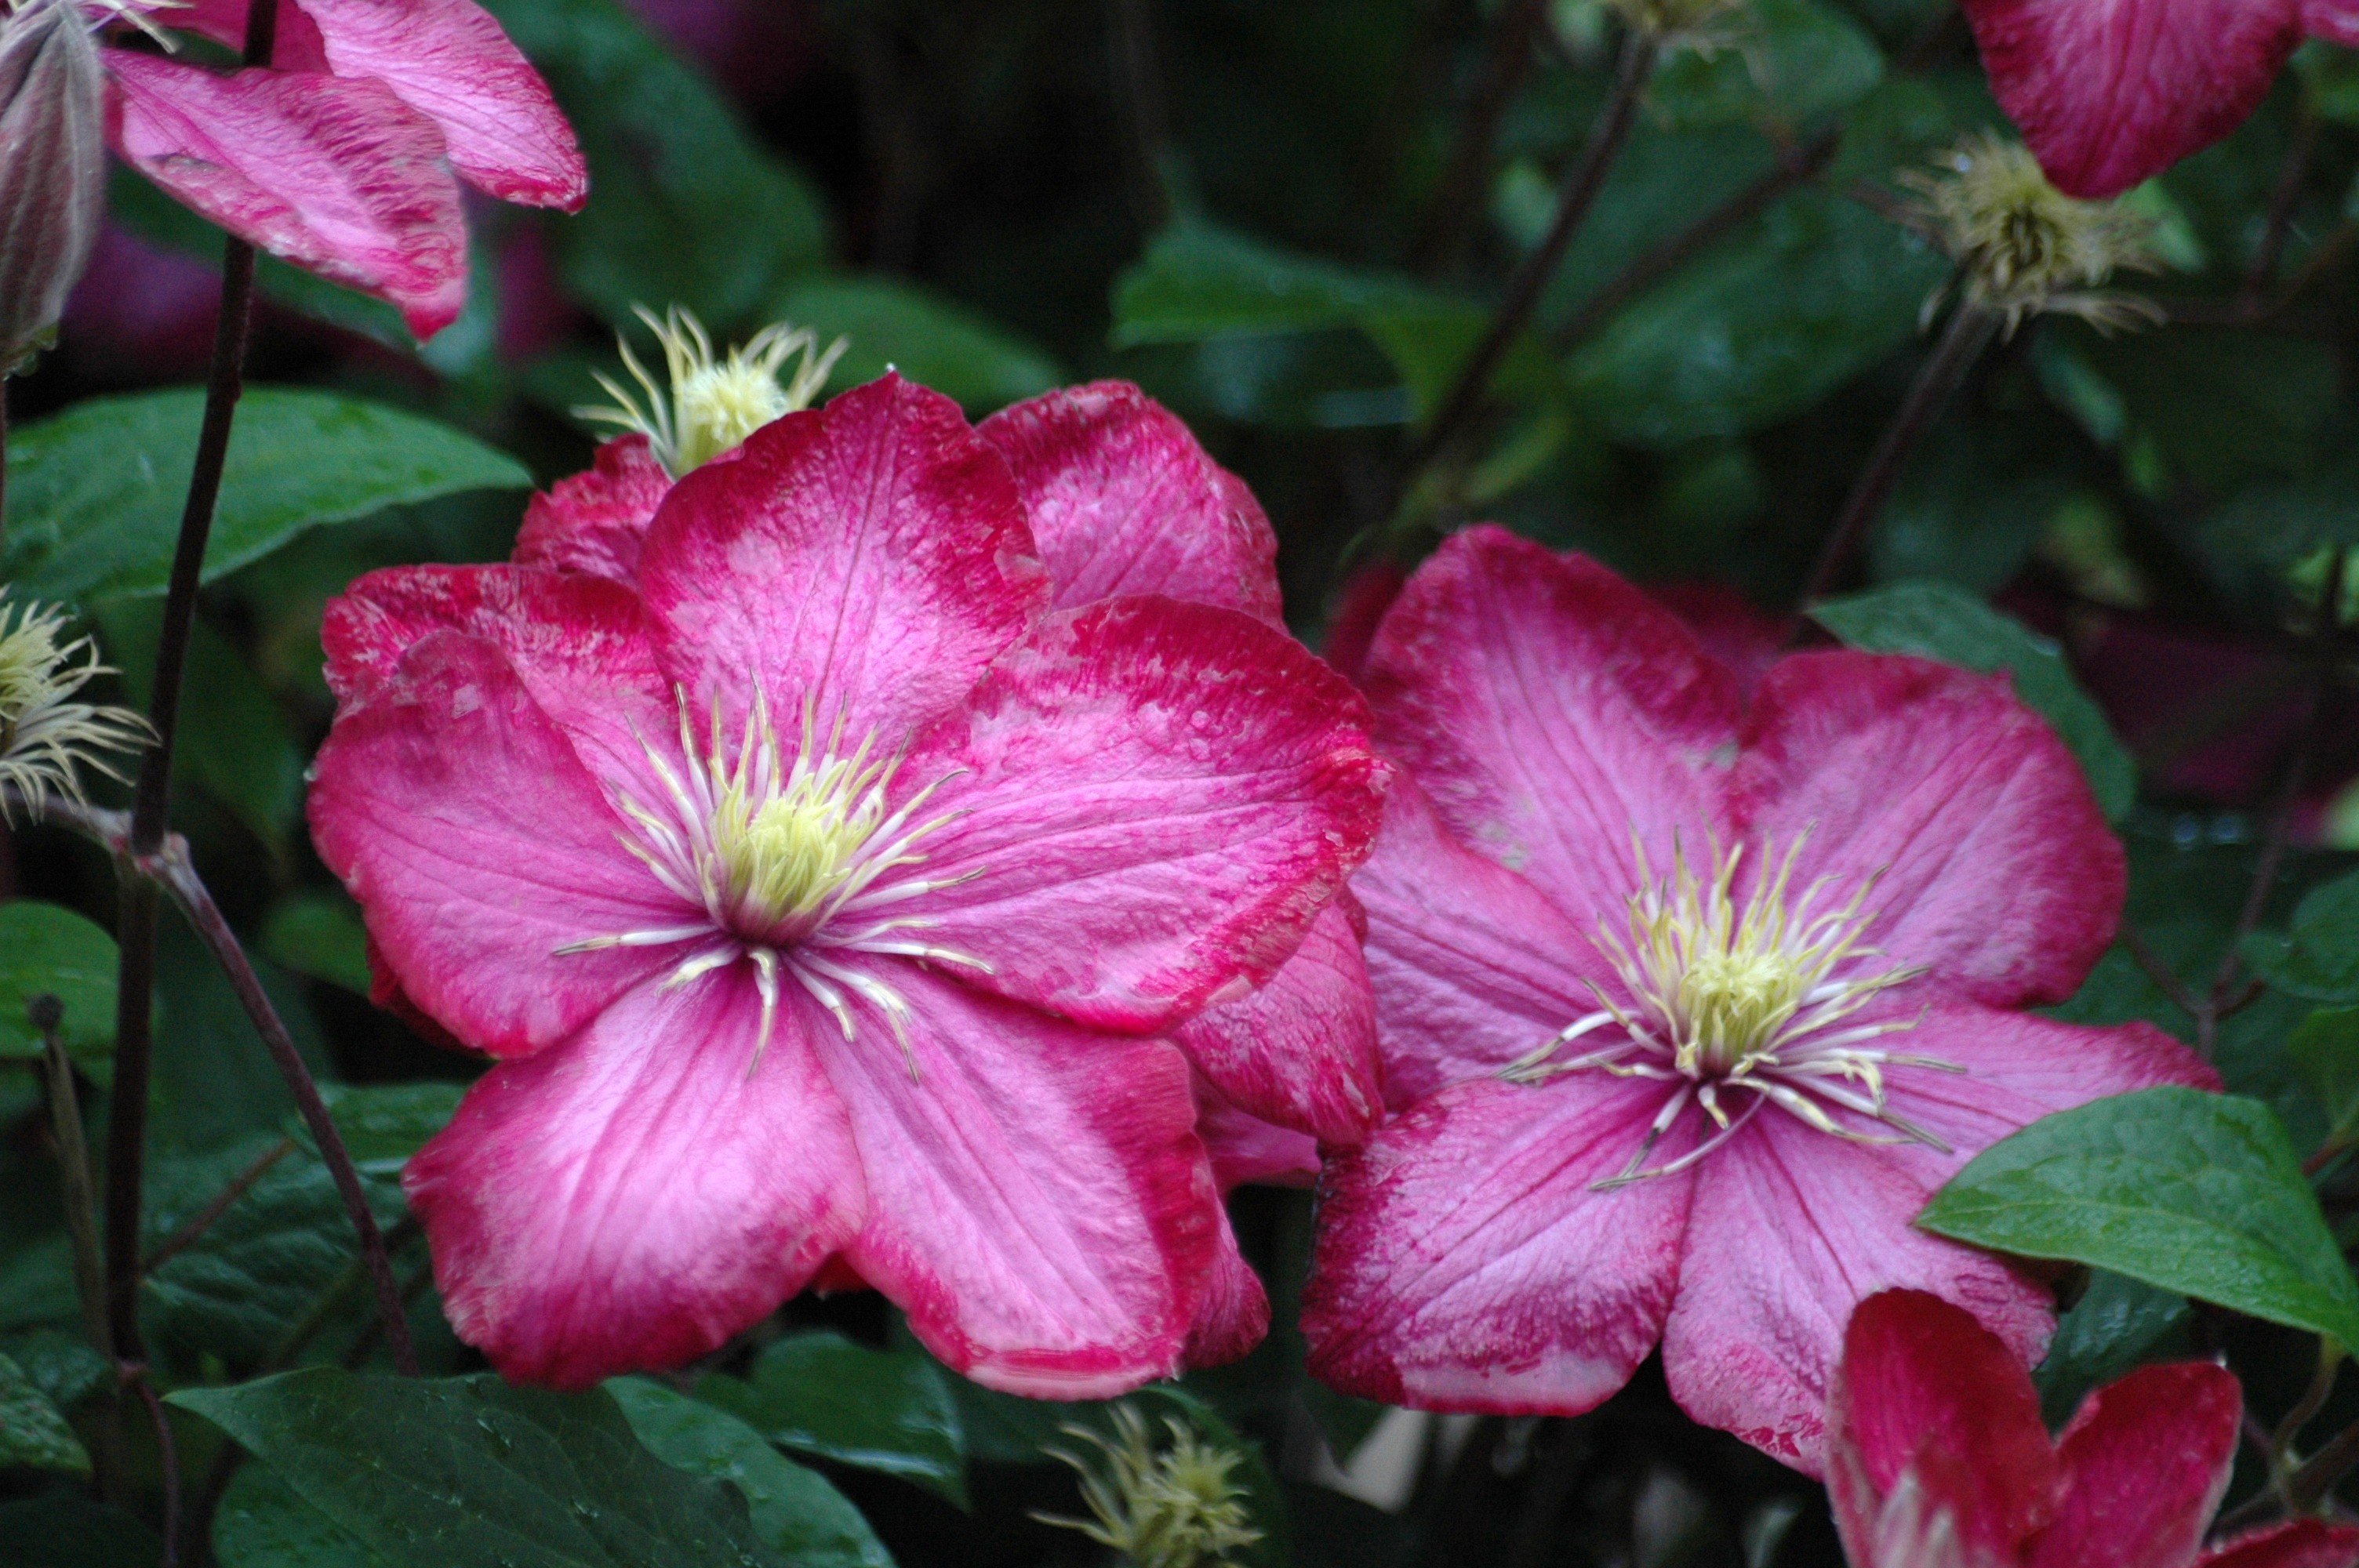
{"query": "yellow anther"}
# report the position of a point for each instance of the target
(713, 403)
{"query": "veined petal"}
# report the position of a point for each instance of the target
(1038, 1203)
(2146, 1460)
(1465, 1261)
(1991, 864)
(903, 541)
(1155, 801)
(1124, 500)
(634, 1196)
(478, 845)
(596, 521)
(339, 177)
(1553, 712)
(1302, 1050)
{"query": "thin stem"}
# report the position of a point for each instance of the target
(2165, 979)
(1962, 343)
(136, 926)
(1575, 195)
(2303, 1491)
(218, 1206)
(169, 1458)
(1458, 195)
(2282, 203)
(73, 1171)
(2305, 1409)
(1140, 82)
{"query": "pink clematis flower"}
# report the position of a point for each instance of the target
(2108, 92)
(344, 156)
(1938, 1459)
(822, 885)
(1689, 1000)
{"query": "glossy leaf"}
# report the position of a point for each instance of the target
(33, 1432)
(1789, 62)
(262, 1523)
(45, 948)
(2117, 1324)
(878, 1410)
(2326, 1050)
(319, 935)
(887, 324)
(2316, 956)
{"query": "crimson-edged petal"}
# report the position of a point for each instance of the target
(596, 521)
(634, 1196)
(2296, 1544)
(868, 558)
(1300, 1051)
(2107, 92)
(1038, 1203)
(1556, 715)
(339, 177)
(480, 847)
(1233, 1314)
(1124, 500)
(1466, 1260)
(1933, 1429)
(2146, 1460)
(1155, 800)
(1989, 860)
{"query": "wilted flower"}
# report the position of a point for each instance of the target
(712, 405)
(52, 168)
(1688, 998)
(1173, 1507)
(2022, 246)
(46, 738)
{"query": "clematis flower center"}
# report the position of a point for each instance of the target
(1727, 999)
(710, 403)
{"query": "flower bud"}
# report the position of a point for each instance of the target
(1173, 1507)
(52, 168)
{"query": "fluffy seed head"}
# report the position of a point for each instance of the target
(45, 737)
(52, 168)
(1174, 1508)
(711, 403)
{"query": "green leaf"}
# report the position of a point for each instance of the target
(795, 1509)
(262, 1523)
(2223, 407)
(1939, 621)
(472, 1470)
(215, 1084)
(1791, 61)
(94, 494)
(234, 740)
(33, 1432)
(319, 935)
(2317, 958)
(2325, 1048)
(2117, 1324)
(45, 948)
(927, 338)
(65, 1529)
(878, 1410)
(2187, 1191)
(383, 1124)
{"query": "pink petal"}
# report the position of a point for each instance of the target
(869, 557)
(341, 178)
(636, 1195)
(2335, 20)
(596, 521)
(2297, 1543)
(1302, 1050)
(2146, 1460)
(1991, 864)
(1472, 967)
(2110, 91)
(1366, 597)
(1038, 1203)
(1928, 1398)
(1123, 499)
(296, 46)
(478, 845)
(1553, 712)
(1731, 628)
(1234, 1316)
(1246, 1149)
(583, 646)
(1790, 1230)
(1464, 1263)
(1158, 798)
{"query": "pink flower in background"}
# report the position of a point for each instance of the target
(344, 156)
(1937, 1458)
(2108, 92)
(822, 885)
(1689, 1000)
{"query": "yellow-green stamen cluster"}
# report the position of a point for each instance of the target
(711, 403)
(2023, 247)
(1176, 1507)
(46, 738)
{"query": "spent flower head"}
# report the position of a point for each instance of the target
(713, 403)
(46, 738)
(52, 167)
(1177, 1507)
(2023, 247)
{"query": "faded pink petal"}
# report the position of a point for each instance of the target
(1472, 969)
(1123, 499)
(1038, 1203)
(2107, 92)
(1302, 1050)
(1246, 1149)
(633, 1197)
(339, 177)
(1157, 799)
(2146, 1460)
(596, 521)
(1554, 713)
(870, 558)
(1465, 1264)
(478, 845)
(1234, 1316)
(2297, 1543)
(1992, 863)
